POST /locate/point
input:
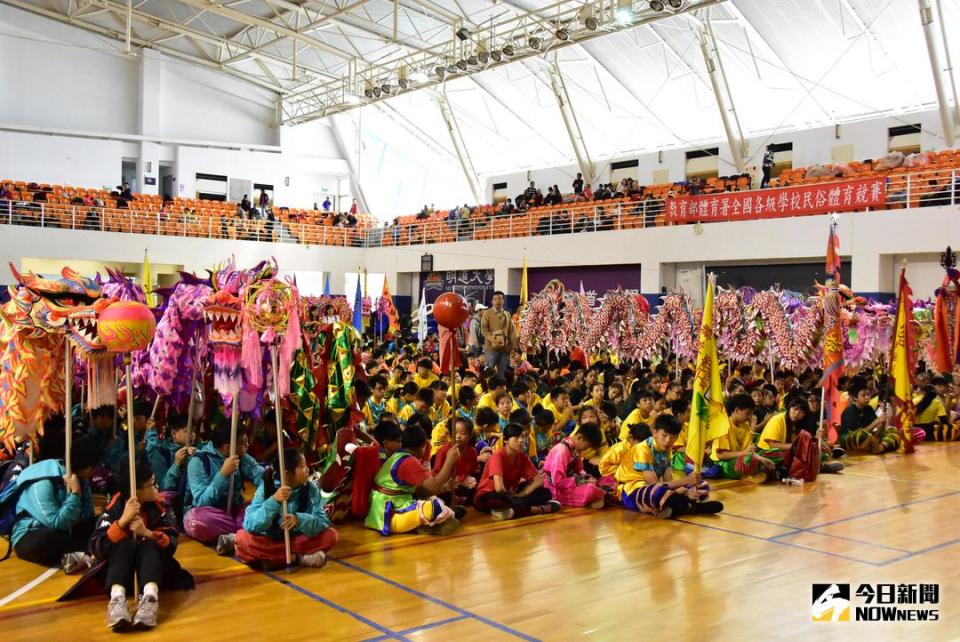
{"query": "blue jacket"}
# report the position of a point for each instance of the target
(46, 503)
(161, 453)
(210, 489)
(263, 516)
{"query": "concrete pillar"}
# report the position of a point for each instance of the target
(148, 120)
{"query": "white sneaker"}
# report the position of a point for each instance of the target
(502, 513)
(118, 615)
(76, 562)
(146, 616)
(227, 544)
(313, 560)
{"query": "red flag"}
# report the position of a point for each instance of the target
(449, 351)
(832, 340)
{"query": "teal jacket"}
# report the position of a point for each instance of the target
(162, 455)
(263, 515)
(46, 503)
(210, 488)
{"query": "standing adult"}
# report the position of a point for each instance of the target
(578, 185)
(499, 335)
(767, 167)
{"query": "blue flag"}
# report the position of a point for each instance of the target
(326, 284)
(358, 309)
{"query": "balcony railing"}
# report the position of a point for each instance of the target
(903, 189)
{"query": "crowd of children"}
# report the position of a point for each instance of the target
(416, 451)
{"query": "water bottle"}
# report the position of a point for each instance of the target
(791, 481)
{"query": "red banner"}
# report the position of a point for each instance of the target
(801, 200)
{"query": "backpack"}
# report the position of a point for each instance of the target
(10, 492)
(802, 461)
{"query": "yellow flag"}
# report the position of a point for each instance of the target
(147, 282)
(902, 365)
(708, 416)
(524, 295)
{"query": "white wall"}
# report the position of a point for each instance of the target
(62, 160)
(810, 147)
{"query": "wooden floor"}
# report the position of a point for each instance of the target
(603, 575)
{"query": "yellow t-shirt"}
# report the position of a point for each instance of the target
(441, 413)
(486, 401)
(635, 418)
(404, 415)
(932, 413)
(439, 437)
(647, 457)
(368, 411)
(562, 418)
(424, 382)
(739, 438)
(618, 463)
(775, 430)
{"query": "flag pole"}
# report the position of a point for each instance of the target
(277, 412)
(67, 404)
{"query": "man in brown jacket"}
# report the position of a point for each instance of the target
(499, 335)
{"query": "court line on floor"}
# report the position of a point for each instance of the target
(389, 633)
(37, 581)
(453, 607)
(423, 627)
(923, 551)
(900, 481)
(777, 541)
(848, 539)
(882, 510)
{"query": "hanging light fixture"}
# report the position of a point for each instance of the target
(563, 34)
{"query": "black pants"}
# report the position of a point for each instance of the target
(766, 177)
(47, 546)
(521, 505)
(130, 556)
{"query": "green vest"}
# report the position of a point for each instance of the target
(388, 495)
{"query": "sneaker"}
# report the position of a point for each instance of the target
(444, 528)
(709, 507)
(838, 452)
(76, 562)
(118, 615)
(831, 467)
(550, 507)
(459, 512)
(502, 513)
(146, 615)
(227, 544)
(313, 560)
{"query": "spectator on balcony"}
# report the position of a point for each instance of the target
(327, 204)
(264, 199)
(587, 193)
(508, 207)
(767, 167)
(245, 204)
(353, 208)
(6, 194)
(125, 192)
(578, 184)
(531, 192)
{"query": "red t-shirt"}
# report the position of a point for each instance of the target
(411, 471)
(466, 465)
(512, 470)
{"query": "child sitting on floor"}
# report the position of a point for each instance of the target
(487, 431)
(510, 486)
(661, 495)
(137, 536)
(735, 452)
(209, 476)
(394, 507)
(261, 541)
(563, 469)
(466, 469)
(618, 462)
(168, 456)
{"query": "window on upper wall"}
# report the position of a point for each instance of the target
(499, 193)
(905, 139)
(782, 158)
(211, 187)
(624, 169)
(703, 163)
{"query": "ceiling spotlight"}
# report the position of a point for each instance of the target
(368, 92)
(534, 43)
(563, 34)
(376, 92)
(675, 4)
(656, 5)
(496, 56)
(473, 61)
(439, 70)
(591, 23)
(508, 51)
(484, 57)
(386, 89)
(462, 65)
(452, 69)
(462, 33)
(403, 83)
